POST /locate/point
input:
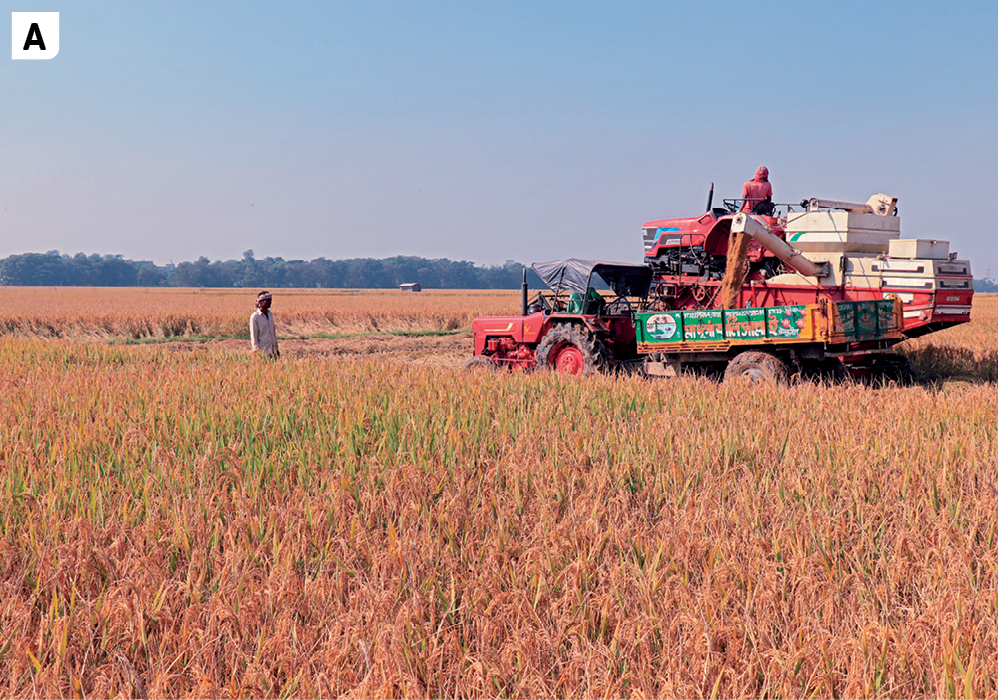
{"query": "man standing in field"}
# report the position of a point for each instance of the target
(263, 332)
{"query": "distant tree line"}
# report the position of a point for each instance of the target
(56, 269)
(985, 285)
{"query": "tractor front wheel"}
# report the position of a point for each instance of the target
(568, 349)
(757, 368)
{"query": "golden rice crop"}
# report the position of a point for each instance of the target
(207, 525)
(66, 312)
(968, 350)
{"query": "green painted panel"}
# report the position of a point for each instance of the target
(785, 321)
(847, 312)
(866, 318)
(860, 320)
(740, 324)
(886, 320)
(664, 327)
(703, 325)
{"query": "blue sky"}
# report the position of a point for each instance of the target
(485, 131)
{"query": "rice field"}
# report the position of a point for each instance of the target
(94, 313)
(201, 524)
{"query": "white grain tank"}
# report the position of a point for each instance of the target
(868, 258)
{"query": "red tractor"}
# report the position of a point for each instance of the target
(575, 329)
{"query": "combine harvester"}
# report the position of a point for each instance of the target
(826, 291)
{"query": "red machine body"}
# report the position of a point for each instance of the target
(832, 251)
(512, 341)
(688, 256)
(708, 233)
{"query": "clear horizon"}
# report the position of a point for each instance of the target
(484, 132)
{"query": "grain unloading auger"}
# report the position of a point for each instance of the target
(821, 292)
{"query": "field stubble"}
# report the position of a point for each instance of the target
(81, 313)
(199, 524)
(328, 322)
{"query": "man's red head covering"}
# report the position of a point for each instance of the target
(762, 173)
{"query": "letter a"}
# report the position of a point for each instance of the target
(31, 40)
(34, 35)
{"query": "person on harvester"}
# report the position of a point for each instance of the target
(757, 193)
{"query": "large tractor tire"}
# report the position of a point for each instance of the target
(757, 368)
(481, 363)
(568, 349)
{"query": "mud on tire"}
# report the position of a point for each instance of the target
(757, 368)
(571, 349)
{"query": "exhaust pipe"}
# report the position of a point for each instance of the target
(710, 198)
(523, 294)
(743, 223)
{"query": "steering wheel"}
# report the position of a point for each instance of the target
(543, 302)
(619, 306)
(732, 205)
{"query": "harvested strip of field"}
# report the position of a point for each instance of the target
(86, 313)
(968, 351)
(446, 351)
(204, 524)
(217, 314)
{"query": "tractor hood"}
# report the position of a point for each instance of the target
(573, 275)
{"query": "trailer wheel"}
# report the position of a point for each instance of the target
(757, 368)
(568, 349)
(481, 363)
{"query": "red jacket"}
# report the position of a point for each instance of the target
(756, 190)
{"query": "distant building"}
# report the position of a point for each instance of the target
(411, 287)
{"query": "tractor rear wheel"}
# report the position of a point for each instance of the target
(568, 349)
(481, 363)
(757, 368)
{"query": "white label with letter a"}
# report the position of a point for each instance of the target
(34, 35)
